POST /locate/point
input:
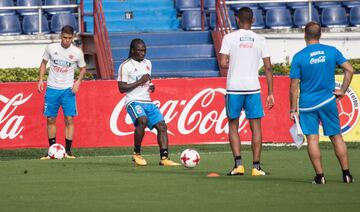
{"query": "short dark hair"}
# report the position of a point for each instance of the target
(134, 43)
(312, 31)
(245, 15)
(67, 29)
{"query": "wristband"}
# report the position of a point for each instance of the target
(293, 110)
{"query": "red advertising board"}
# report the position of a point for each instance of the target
(193, 110)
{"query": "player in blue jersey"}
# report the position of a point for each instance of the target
(313, 68)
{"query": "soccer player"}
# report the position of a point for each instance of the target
(64, 58)
(314, 68)
(240, 53)
(134, 80)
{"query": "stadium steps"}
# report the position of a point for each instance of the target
(173, 54)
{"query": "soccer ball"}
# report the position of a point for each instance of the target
(190, 158)
(56, 151)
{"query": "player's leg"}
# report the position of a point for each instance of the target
(331, 125)
(156, 120)
(234, 104)
(254, 112)
(140, 120)
(68, 104)
(51, 129)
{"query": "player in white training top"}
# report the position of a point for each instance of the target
(241, 52)
(134, 80)
(64, 58)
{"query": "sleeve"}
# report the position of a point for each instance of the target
(81, 61)
(265, 52)
(295, 68)
(123, 73)
(46, 55)
(225, 46)
(340, 59)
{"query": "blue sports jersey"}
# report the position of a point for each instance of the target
(315, 67)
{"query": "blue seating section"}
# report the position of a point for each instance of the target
(26, 21)
(301, 16)
(173, 54)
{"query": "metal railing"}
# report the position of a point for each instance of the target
(40, 12)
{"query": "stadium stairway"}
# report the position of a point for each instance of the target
(173, 54)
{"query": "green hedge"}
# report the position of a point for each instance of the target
(32, 74)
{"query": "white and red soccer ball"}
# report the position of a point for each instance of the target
(56, 151)
(190, 158)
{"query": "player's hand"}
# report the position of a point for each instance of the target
(76, 86)
(40, 86)
(339, 94)
(151, 88)
(145, 78)
(270, 101)
(293, 114)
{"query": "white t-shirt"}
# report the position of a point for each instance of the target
(63, 63)
(130, 71)
(245, 49)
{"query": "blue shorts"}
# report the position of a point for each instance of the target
(327, 115)
(55, 97)
(251, 103)
(148, 109)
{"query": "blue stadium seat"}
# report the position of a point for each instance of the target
(191, 20)
(209, 4)
(62, 19)
(355, 16)
(327, 4)
(267, 6)
(183, 5)
(10, 25)
(57, 10)
(213, 20)
(278, 18)
(28, 3)
(6, 3)
(295, 5)
(31, 24)
(258, 19)
(301, 16)
(351, 4)
(334, 17)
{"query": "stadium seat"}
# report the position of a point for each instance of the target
(31, 24)
(351, 4)
(258, 19)
(28, 3)
(267, 6)
(191, 20)
(209, 4)
(295, 5)
(213, 20)
(62, 19)
(278, 18)
(57, 10)
(183, 5)
(355, 16)
(10, 25)
(6, 3)
(301, 16)
(334, 17)
(327, 4)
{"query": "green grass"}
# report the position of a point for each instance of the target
(106, 180)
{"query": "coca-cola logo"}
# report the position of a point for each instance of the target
(320, 59)
(200, 114)
(10, 123)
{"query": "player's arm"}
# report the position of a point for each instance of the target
(294, 92)
(270, 101)
(42, 71)
(76, 85)
(126, 87)
(348, 74)
(224, 61)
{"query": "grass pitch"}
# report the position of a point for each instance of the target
(106, 180)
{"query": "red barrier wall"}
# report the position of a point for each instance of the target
(193, 109)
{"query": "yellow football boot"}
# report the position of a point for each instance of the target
(237, 171)
(258, 172)
(167, 162)
(139, 160)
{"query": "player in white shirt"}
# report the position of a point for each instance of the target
(241, 52)
(64, 58)
(134, 80)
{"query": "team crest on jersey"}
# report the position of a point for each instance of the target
(148, 68)
(135, 69)
(71, 56)
(138, 109)
(348, 108)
